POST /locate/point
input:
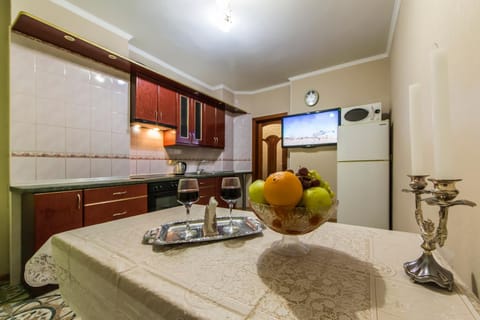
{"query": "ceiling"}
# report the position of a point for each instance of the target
(269, 42)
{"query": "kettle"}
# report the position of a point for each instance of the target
(180, 167)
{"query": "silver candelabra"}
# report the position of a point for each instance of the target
(426, 269)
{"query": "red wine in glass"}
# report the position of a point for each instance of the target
(231, 191)
(187, 196)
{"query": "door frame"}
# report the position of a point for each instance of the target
(257, 124)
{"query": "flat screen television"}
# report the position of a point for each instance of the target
(310, 129)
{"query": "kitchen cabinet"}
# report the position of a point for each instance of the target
(45, 214)
(210, 187)
(189, 123)
(111, 203)
(152, 103)
(214, 127)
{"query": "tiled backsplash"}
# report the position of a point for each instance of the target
(70, 119)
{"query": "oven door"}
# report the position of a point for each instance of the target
(159, 198)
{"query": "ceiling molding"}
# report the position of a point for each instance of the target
(277, 86)
(167, 66)
(338, 66)
(92, 18)
(393, 24)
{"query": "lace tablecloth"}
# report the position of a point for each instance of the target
(104, 272)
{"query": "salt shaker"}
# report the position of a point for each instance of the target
(210, 219)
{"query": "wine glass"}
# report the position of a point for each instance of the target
(230, 192)
(187, 194)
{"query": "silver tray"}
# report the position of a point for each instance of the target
(174, 232)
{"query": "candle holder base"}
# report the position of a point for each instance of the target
(426, 269)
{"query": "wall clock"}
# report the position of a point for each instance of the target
(311, 98)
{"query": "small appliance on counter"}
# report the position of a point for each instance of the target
(180, 167)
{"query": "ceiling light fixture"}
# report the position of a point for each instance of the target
(224, 12)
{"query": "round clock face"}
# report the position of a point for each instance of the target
(311, 98)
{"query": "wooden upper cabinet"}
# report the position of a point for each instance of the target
(214, 127)
(145, 100)
(190, 118)
(167, 106)
(152, 103)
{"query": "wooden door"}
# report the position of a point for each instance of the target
(167, 106)
(220, 127)
(145, 100)
(57, 212)
(268, 155)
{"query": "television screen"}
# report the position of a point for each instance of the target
(310, 129)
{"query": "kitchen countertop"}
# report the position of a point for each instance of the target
(86, 183)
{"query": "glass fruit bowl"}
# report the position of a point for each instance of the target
(292, 222)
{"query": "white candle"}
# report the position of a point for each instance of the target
(416, 132)
(442, 133)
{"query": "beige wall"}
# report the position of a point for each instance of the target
(4, 137)
(355, 85)
(454, 26)
(265, 103)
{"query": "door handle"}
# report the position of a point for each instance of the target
(79, 201)
(119, 193)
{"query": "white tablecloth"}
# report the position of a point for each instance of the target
(352, 272)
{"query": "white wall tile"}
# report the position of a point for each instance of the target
(78, 92)
(121, 86)
(101, 80)
(143, 166)
(133, 166)
(50, 139)
(50, 112)
(22, 69)
(120, 123)
(120, 167)
(77, 168)
(50, 86)
(160, 166)
(77, 116)
(45, 62)
(101, 118)
(75, 73)
(120, 144)
(50, 168)
(78, 141)
(101, 167)
(22, 169)
(22, 108)
(120, 103)
(22, 136)
(100, 142)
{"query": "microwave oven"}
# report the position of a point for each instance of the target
(360, 114)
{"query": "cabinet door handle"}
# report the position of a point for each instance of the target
(119, 214)
(156, 115)
(119, 193)
(79, 201)
(161, 115)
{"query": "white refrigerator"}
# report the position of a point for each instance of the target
(363, 174)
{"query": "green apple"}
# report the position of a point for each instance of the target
(255, 191)
(316, 199)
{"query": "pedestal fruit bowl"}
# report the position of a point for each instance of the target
(282, 212)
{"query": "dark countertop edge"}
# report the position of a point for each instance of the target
(90, 183)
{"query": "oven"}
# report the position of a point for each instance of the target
(162, 195)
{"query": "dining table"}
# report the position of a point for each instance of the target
(106, 271)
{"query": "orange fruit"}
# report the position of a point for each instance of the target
(283, 188)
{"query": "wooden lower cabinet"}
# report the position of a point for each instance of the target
(112, 203)
(210, 187)
(56, 212)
